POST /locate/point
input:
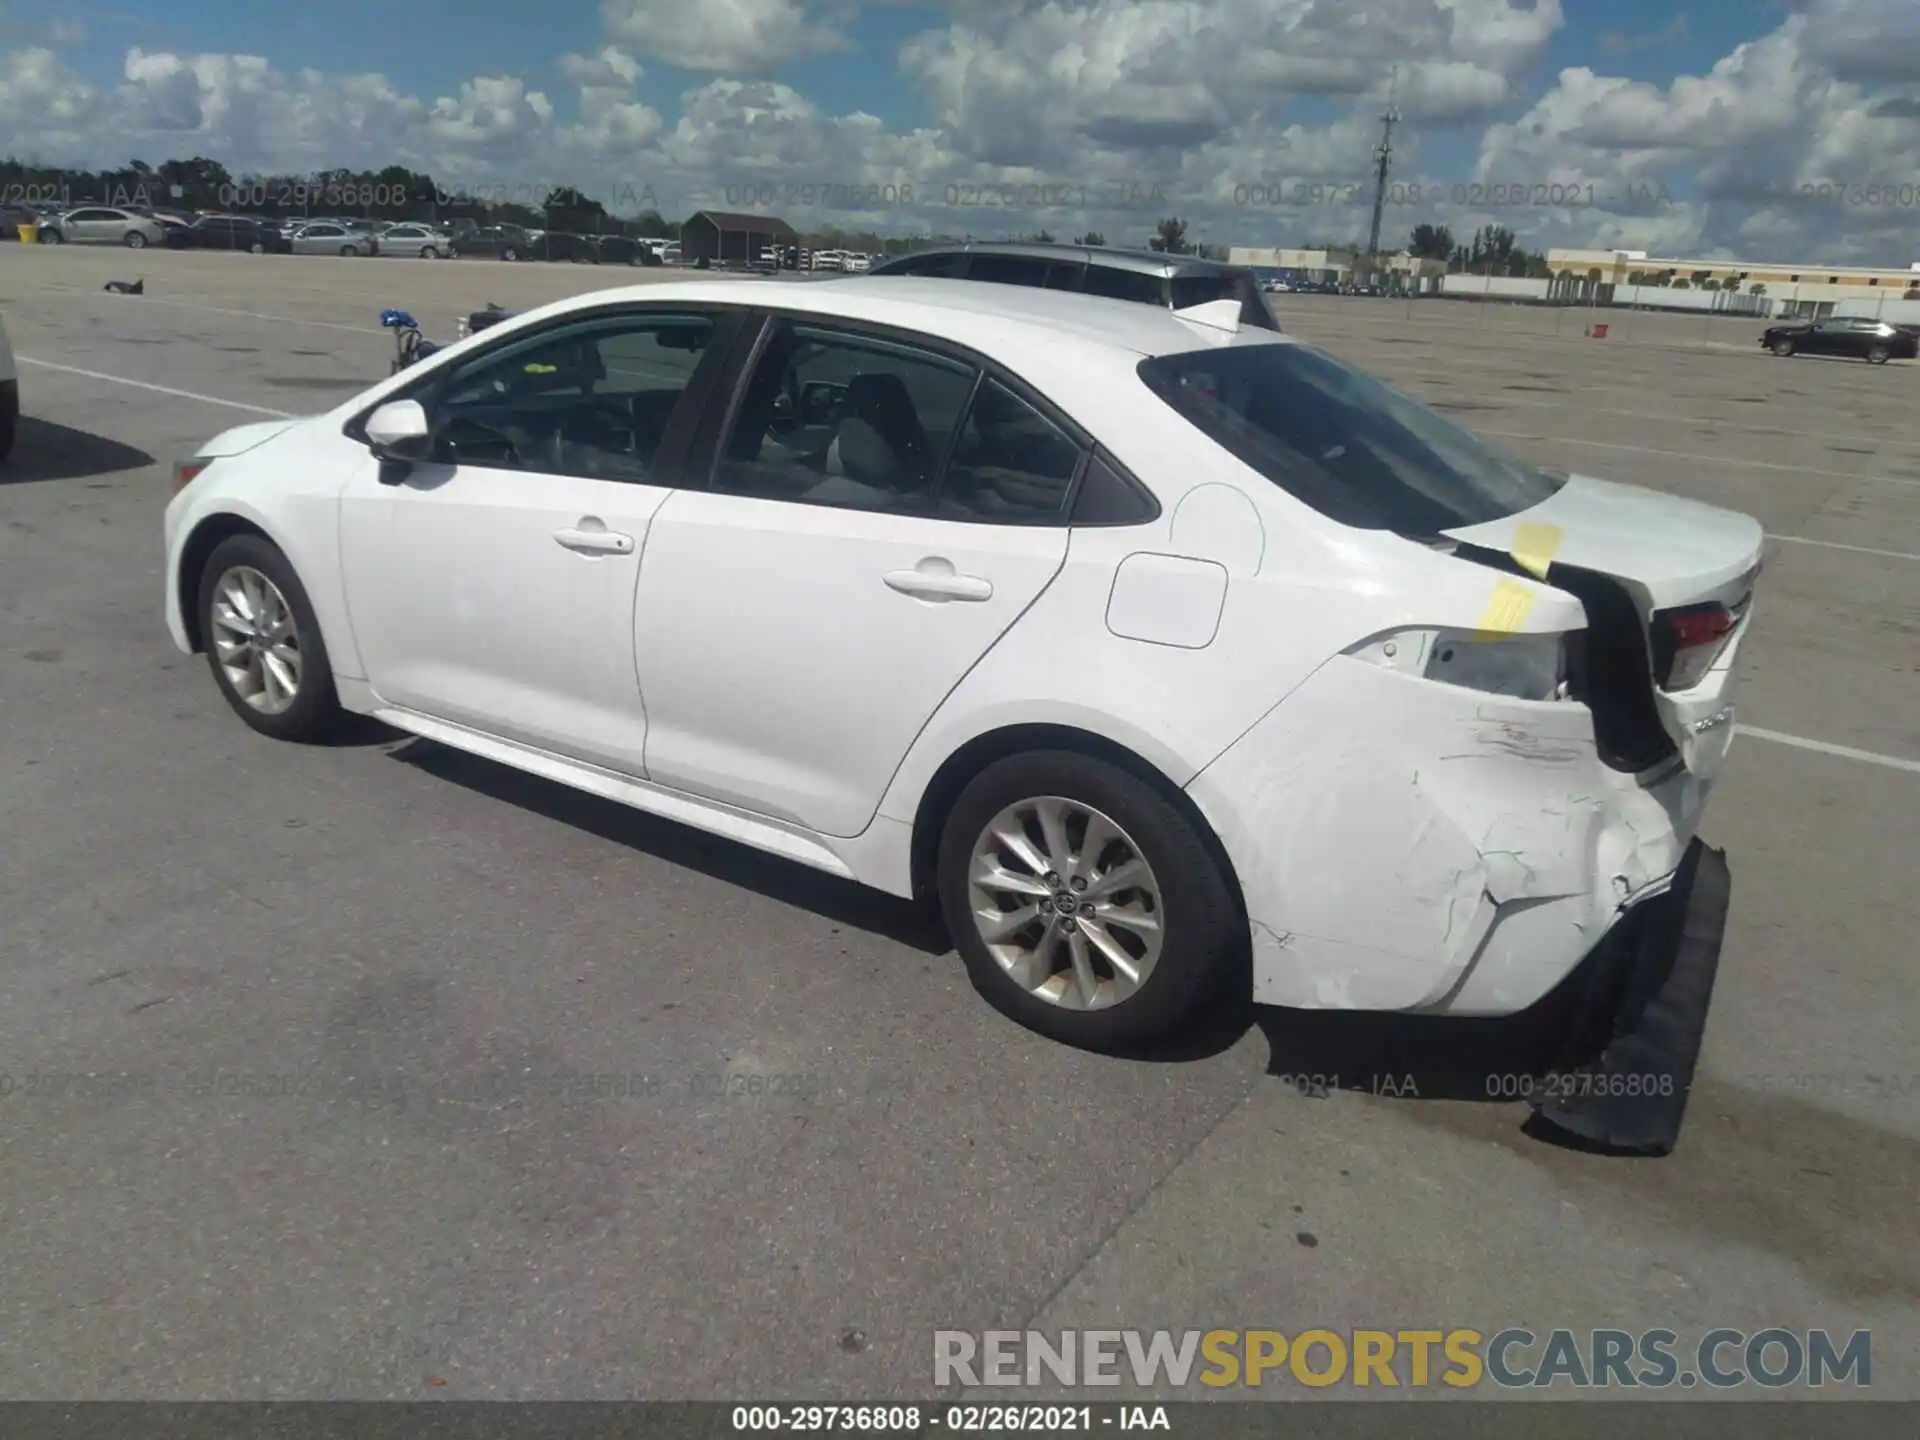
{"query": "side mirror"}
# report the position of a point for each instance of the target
(399, 431)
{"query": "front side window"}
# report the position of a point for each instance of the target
(830, 417)
(592, 399)
(1010, 463)
(1342, 442)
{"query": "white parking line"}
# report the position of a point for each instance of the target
(1845, 752)
(1693, 456)
(1836, 545)
(156, 389)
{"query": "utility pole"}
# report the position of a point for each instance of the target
(1383, 157)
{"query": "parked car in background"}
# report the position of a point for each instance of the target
(176, 231)
(1172, 282)
(414, 239)
(330, 237)
(101, 225)
(1875, 341)
(12, 217)
(494, 242)
(624, 250)
(237, 232)
(9, 395)
(565, 246)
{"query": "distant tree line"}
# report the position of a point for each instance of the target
(200, 185)
(1493, 250)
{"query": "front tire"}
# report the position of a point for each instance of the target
(509, 254)
(263, 641)
(429, 253)
(136, 241)
(49, 237)
(1152, 920)
(348, 250)
(1783, 348)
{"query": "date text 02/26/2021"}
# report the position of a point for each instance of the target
(952, 1419)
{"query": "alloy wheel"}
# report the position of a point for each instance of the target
(256, 640)
(1066, 903)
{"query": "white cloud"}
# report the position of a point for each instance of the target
(1113, 112)
(731, 36)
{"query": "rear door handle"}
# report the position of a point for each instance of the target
(934, 585)
(595, 542)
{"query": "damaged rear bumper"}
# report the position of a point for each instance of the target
(1403, 845)
(1627, 1074)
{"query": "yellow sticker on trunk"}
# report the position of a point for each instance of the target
(1534, 546)
(1507, 611)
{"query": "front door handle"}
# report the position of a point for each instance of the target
(939, 585)
(595, 542)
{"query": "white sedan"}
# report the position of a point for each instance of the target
(421, 240)
(1143, 641)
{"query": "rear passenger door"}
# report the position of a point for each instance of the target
(805, 607)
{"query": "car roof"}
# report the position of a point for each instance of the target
(1146, 262)
(994, 319)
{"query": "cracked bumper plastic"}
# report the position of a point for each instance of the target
(1403, 845)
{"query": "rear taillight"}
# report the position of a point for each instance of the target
(185, 472)
(1686, 642)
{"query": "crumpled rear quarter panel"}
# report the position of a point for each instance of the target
(1403, 844)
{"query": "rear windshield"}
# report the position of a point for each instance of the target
(1190, 290)
(1337, 439)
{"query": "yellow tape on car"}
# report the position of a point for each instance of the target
(1507, 611)
(1534, 547)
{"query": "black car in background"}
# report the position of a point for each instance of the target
(623, 250)
(1875, 341)
(236, 232)
(494, 242)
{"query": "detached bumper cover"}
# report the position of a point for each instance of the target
(1646, 1008)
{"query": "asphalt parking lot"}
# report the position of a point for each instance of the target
(407, 930)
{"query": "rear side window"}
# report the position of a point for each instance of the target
(1010, 463)
(1136, 285)
(1342, 442)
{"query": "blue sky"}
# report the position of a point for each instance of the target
(1718, 103)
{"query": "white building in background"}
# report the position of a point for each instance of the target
(1633, 277)
(1336, 265)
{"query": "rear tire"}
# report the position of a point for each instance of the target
(257, 248)
(1879, 355)
(509, 254)
(1171, 917)
(1783, 348)
(254, 680)
(8, 423)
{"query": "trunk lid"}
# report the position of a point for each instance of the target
(1675, 558)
